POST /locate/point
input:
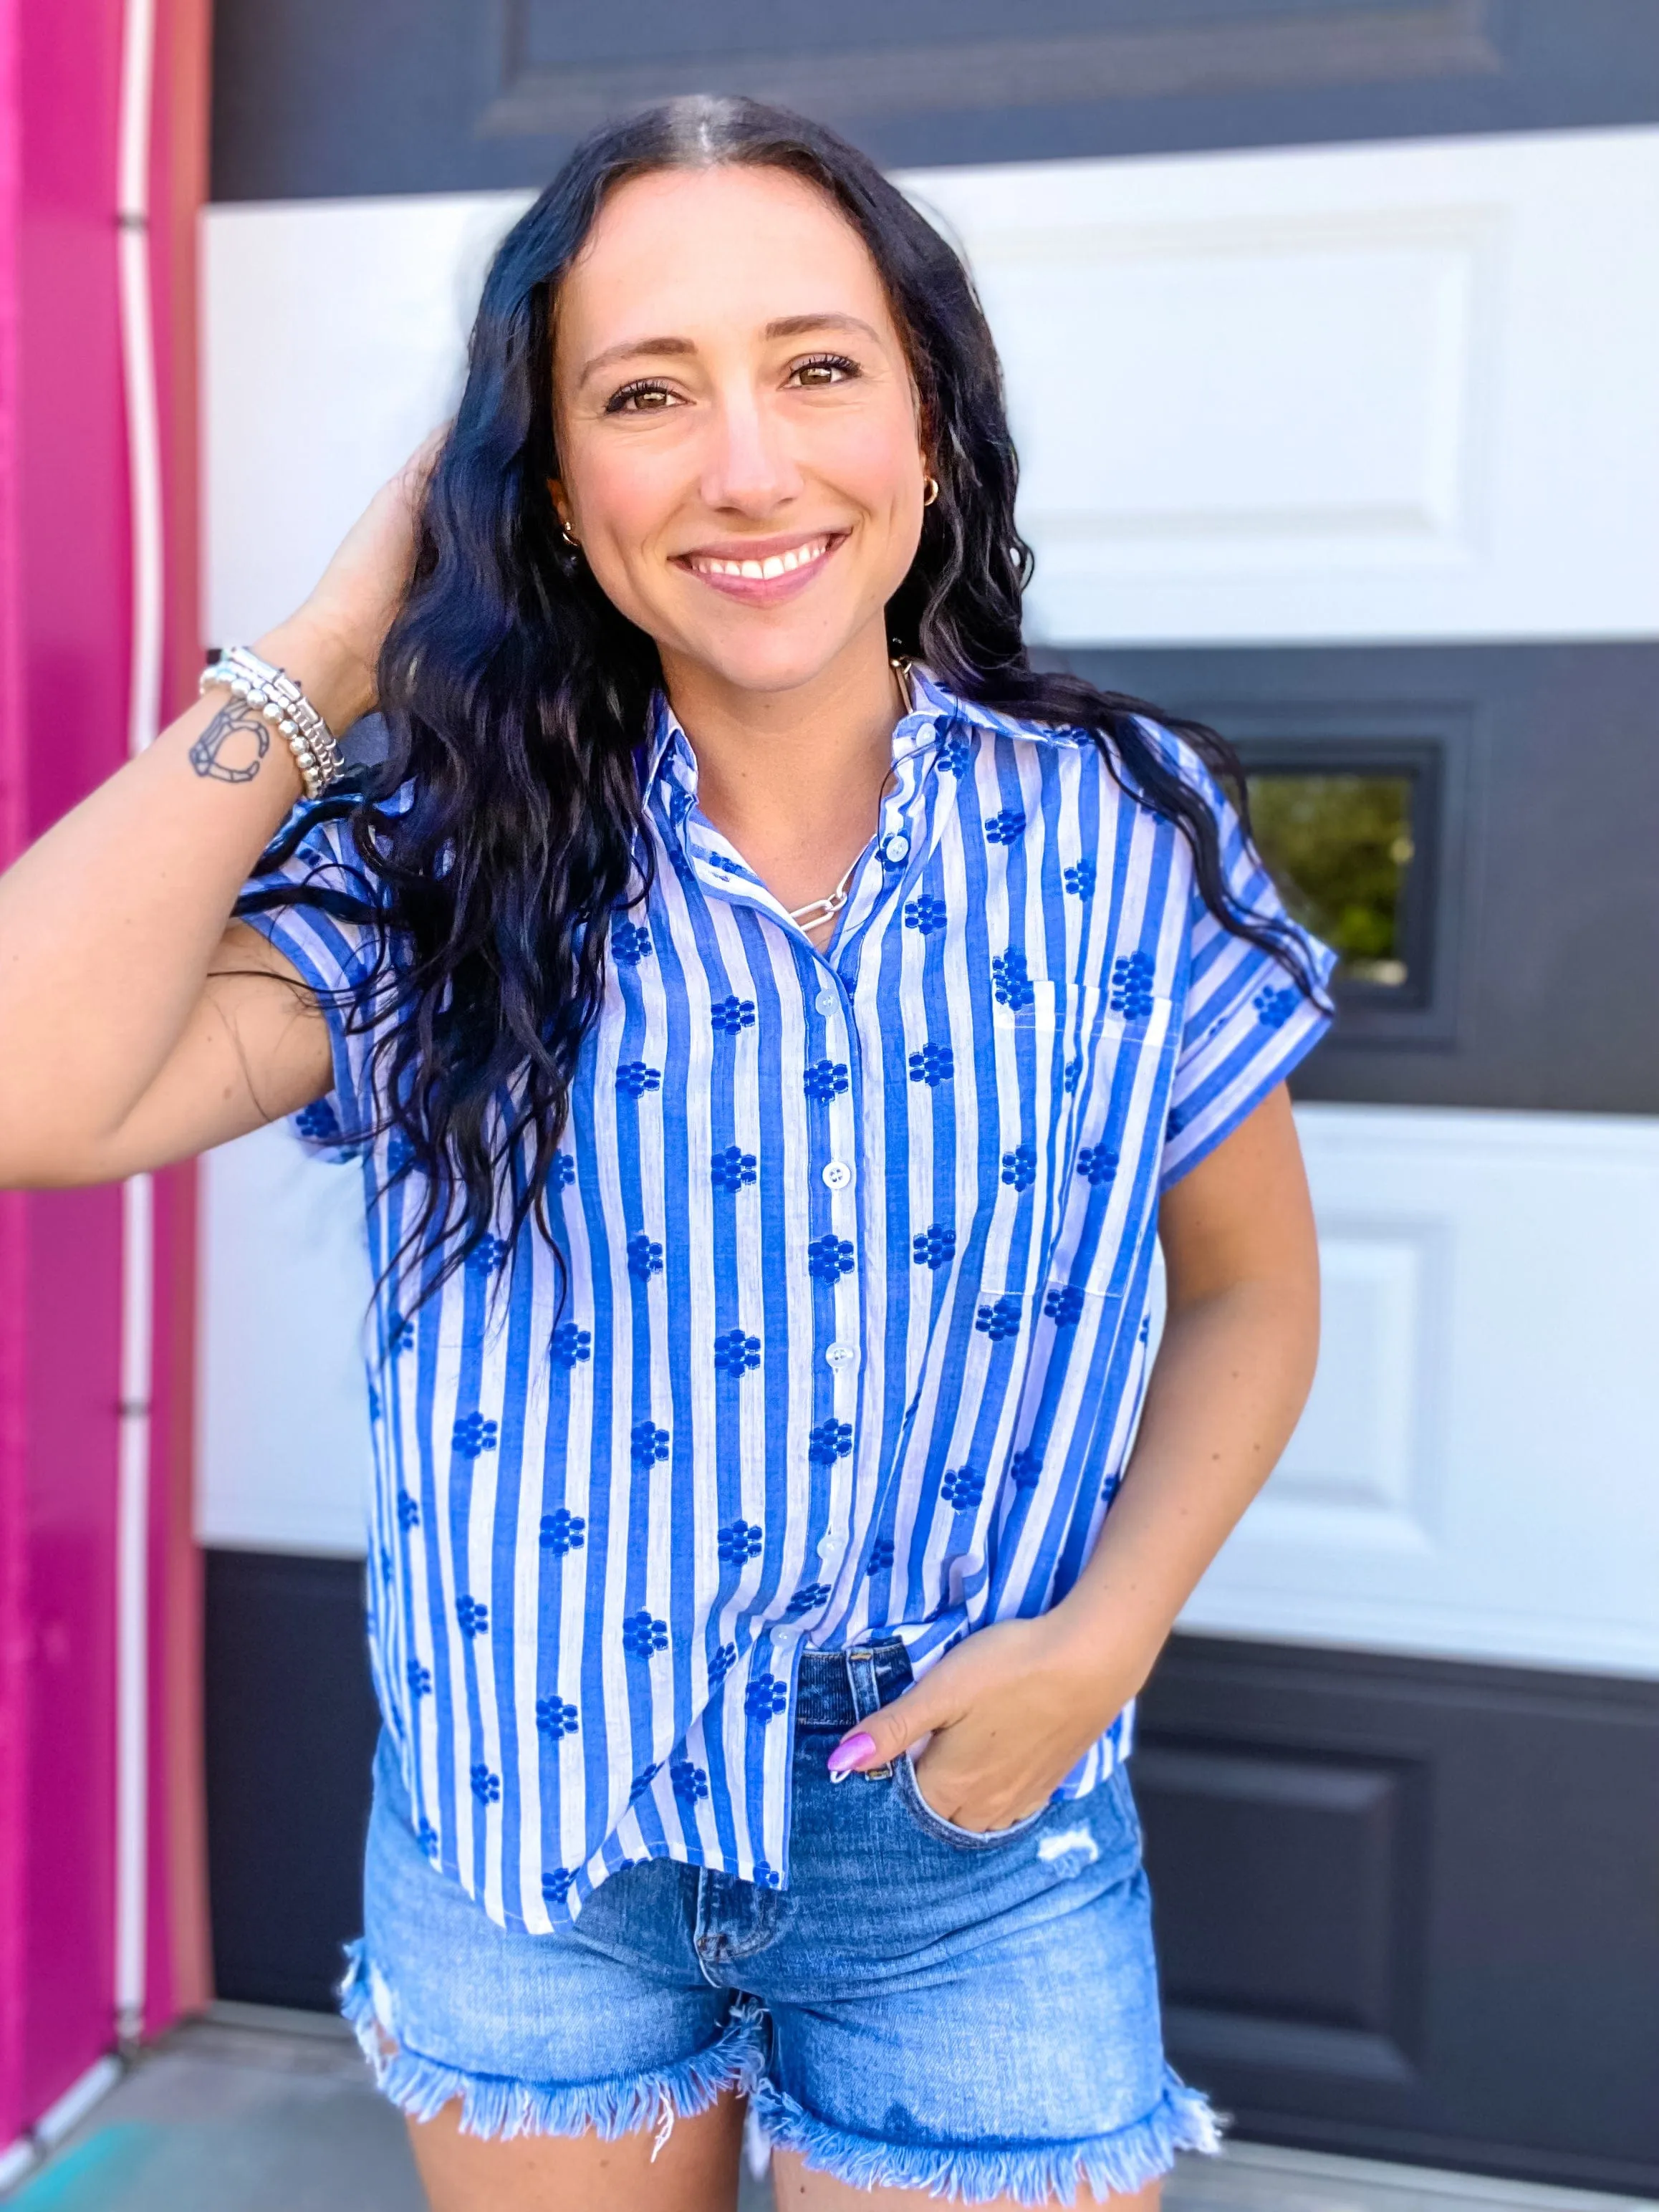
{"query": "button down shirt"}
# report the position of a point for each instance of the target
(858, 1245)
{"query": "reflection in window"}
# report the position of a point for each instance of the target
(1340, 847)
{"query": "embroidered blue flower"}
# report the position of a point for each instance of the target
(319, 1121)
(688, 1782)
(735, 1354)
(733, 1169)
(629, 943)
(925, 913)
(486, 1255)
(806, 1599)
(1275, 1008)
(561, 1171)
(486, 1786)
(420, 1679)
(473, 1615)
(568, 1344)
(830, 1258)
(1004, 829)
(739, 1541)
(635, 1078)
(387, 1568)
(376, 1408)
(726, 863)
(555, 1718)
(643, 1780)
(1097, 1163)
(826, 1079)
(933, 1064)
(1074, 1074)
(408, 1511)
(1014, 988)
(954, 754)
(881, 1556)
(426, 1837)
(647, 1444)
(963, 1487)
(1025, 1469)
(1079, 878)
(399, 1333)
(934, 1247)
(1145, 1329)
(828, 1442)
(765, 1697)
(1177, 1121)
(730, 1015)
(998, 1320)
(472, 1434)
(1019, 1167)
(721, 1665)
(1064, 1305)
(564, 1531)
(1132, 986)
(555, 1885)
(644, 1635)
(644, 1257)
(766, 1877)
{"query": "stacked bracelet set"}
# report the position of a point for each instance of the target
(280, 701)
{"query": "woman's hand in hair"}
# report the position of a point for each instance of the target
(336, 636)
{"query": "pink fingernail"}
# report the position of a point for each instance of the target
(847, 1753)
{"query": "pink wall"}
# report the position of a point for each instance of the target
(65, 596)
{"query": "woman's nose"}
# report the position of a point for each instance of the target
(749, 465)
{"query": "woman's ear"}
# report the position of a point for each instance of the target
(561, 509)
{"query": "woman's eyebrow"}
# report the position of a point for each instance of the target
(786, 326)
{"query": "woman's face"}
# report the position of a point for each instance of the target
(736, 423)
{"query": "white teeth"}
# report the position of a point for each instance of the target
(776, 564)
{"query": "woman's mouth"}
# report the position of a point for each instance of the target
(759, 574)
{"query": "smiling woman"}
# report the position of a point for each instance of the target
(775, 1026)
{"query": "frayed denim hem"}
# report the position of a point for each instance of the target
(1031, 2173)
(498, 2106)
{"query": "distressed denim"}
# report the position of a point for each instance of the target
(975, 2014)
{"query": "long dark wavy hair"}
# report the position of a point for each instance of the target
(516, 695)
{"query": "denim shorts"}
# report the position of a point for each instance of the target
(975, 2014)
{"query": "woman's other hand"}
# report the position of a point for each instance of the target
(1003, 1717)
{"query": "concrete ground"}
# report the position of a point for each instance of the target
(250, 2110)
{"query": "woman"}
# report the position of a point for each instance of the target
(774, 1022)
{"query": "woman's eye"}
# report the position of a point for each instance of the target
(824, 368)
(644, 399)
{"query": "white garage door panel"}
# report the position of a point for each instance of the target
(1320, 393)
(1477, 1472)
(282, 1458)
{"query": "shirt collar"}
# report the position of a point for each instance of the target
(667, 755)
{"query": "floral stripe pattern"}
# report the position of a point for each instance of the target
(857, 1249)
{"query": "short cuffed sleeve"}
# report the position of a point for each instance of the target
(1246, 1020)
(309, 905)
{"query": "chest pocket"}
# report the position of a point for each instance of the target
(1081, 1091)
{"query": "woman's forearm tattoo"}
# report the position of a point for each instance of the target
(234, 743)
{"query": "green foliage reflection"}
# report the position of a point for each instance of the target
(1338, 846)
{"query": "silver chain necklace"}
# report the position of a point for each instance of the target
(818, 911)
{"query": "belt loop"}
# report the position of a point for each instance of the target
(867, 1699)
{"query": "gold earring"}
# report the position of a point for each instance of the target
(929, 490)
(568, 537)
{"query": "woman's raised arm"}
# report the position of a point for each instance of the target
(138, 1024)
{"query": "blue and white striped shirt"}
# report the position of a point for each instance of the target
(858, 1246)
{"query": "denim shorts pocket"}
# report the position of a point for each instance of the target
(946, 1832)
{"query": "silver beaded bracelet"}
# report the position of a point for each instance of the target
(275, 696)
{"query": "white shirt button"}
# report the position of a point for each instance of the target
(897, 848)
(841, 1355)
(828, 1001)
(830, 1543)
(837, 1174)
